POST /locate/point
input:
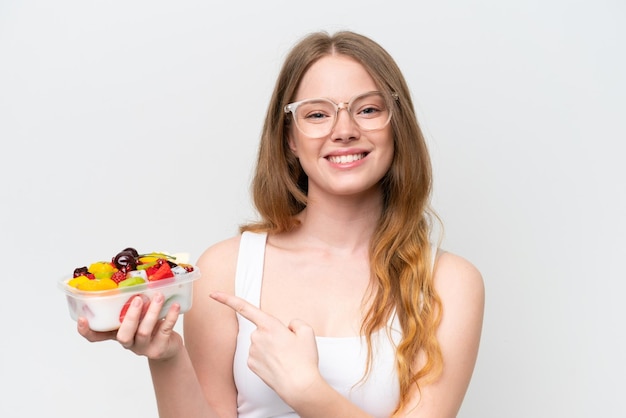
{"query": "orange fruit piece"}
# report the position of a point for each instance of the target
(77, 280)
(98, 284)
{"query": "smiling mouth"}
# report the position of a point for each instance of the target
(343, 159)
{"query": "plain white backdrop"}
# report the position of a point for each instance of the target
(135, 123)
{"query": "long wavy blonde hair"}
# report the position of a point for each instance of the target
(400, 255)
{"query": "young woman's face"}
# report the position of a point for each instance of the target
(348, 160)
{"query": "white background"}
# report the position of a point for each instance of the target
(135, 123)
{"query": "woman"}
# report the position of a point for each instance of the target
(335, 303)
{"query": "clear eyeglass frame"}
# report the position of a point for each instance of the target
(323, 129)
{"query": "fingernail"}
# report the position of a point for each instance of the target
(158, 298)
(137, 301)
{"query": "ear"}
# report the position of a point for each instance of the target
(292, 145)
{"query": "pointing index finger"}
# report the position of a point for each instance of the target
(242, 307)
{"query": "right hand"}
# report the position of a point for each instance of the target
(148, 336)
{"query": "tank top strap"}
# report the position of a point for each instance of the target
(249, 275)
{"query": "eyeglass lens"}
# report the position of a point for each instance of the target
(317, 117)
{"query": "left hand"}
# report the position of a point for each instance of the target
(284, 357)
(144, 335)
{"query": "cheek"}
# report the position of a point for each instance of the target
(390, 152)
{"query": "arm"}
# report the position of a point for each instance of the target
(192, 379)
(286, 357)
(461, 289)
(201, 377)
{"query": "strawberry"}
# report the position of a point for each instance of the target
(119, 276)
(154, 267)
(159, 271)
(144, 307)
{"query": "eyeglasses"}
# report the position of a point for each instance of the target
(316, 118)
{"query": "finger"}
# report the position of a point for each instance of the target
(126, 332)
(167, 326)
(242, 307)
(150, 319)
(300, 327)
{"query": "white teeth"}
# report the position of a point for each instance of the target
(342, 159)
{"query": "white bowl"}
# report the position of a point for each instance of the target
(104, 308)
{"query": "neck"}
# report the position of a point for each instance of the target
(344, 223)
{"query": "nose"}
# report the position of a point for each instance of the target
(345, 128)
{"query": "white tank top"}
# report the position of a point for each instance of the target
(341, 360)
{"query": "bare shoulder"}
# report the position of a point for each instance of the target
(218, 264)
(227, 248)
(460, 287)
(454, 274)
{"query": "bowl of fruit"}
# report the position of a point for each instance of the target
(103, 291)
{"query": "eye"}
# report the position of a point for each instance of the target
(315, 115)
(316, 111)
(369, 111)
(369, 106)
